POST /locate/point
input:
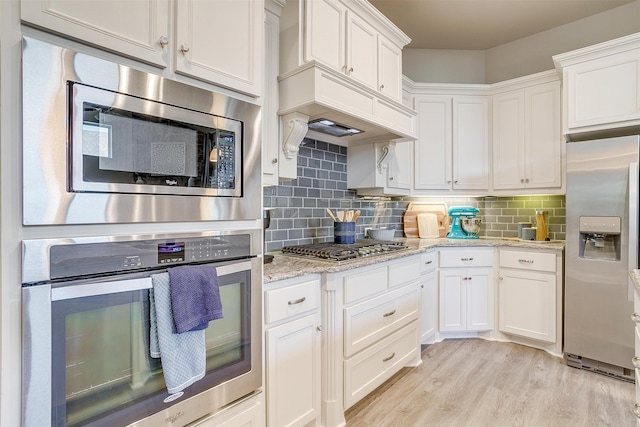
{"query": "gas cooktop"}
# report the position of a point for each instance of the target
(330, 251)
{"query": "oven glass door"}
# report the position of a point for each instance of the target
(101, 369)
(126, 144)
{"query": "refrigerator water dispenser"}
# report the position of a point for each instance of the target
(600, 238)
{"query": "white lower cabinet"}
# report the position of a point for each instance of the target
(527, 294)
(428, 297)
(466, 290)
(293, 352)
(636, 359)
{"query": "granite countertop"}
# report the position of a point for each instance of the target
(285, 266)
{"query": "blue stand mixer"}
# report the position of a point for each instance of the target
(464, 224)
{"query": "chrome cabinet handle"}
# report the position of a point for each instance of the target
(636, 361)
(390, 178)
(422, 286)
(636, 410)
(350, 70)
(184, 48)
(381, 87)
(391, 313)
(428, 262)
(635, 317)
(297, 301)
(526, 180)
(526, 261)
(466, 259)
(274, 161)
(163, 41)
(319, 328)
(386, 359)
(449, 182)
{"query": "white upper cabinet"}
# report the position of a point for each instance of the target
(216, 41)
(326, 33)
(389, 68)
(139, 29)
(601, 85)
(362, 51)
(452, 149)
(528, 149)
(382, 168)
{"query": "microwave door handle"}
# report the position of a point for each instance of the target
(633, 225)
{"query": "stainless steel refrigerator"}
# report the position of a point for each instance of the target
(601, 249)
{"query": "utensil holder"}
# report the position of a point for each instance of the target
(529, 233)
(522, 225)
(344, 232)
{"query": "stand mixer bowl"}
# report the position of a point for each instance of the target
(470, 225)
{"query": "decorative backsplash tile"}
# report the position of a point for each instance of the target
(299, 207)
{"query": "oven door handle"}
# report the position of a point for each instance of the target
(127, 285)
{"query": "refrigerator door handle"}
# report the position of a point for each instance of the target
(633, 225)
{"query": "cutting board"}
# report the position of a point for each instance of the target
(428, 227)
(410, 221)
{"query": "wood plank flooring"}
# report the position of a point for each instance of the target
(473, 382)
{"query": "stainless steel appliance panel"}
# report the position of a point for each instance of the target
(48, 195)
(601, 248)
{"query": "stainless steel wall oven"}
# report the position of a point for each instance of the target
(106, 143)
(86, 329)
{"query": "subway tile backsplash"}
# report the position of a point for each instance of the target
(299, 207)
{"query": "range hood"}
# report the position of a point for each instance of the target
(315, 93)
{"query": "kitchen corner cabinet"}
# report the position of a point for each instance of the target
(601, 85)
(428, 297)
(142, 30)
(293, 352)
(247, 413)
(382, 168)
(530, 296)
(466, 290)
(452, 149)
(527, 135)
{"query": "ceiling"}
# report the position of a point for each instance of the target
(483, 24)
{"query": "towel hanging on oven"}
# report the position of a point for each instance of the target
(183, 356)
(195, 297)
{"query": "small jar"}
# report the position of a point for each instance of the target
(542, 228)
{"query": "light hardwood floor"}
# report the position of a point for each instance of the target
(473, 382)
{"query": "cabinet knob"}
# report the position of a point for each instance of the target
(163, 41)
(319, 328)
(455, 182)
(390, 178)
(184, 48)
(521, 180)
(636, 410)
(449, 182)
(350, 70)
(635, 317)
(422, 286)
(274, 161)
(526, 180)
(381, 87)
(636, 362)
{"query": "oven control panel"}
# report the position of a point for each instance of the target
(83, 259)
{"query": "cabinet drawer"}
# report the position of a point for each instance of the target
(292, 300)
(522, 260)
(367, 370)
(403, 271)
(370, 321)
(365, 283)
(428, 262)
(465, 258)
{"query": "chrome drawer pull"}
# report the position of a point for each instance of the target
(636, 410)
(386, 359)
(428, 262)
(526, 261)
(297, 301)
(636, 362)
(391, 313)
(466, 259)
(635, 317)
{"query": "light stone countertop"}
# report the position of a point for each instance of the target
(286, 267)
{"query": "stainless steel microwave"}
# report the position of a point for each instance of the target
(106, 143)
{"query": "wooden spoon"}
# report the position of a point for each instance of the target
(356, 215)
(331, 215)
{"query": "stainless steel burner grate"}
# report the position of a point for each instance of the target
(338, 252)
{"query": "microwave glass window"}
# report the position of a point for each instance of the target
(121, 146)
(101, 361)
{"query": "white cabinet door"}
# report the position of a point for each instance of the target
(401, 166)
(432, 149)
(543, 136)
(479, 299)
(428, 306)
(603, 91)
(527, 304)
(508, 140)
(138, 29)
(362, 50)
(270, 118)
(221, 41)
(325, 39)
(293, 372)
(389, 68)
(453, 304)
(470, 143)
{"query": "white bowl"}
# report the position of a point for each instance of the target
(381, 234)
